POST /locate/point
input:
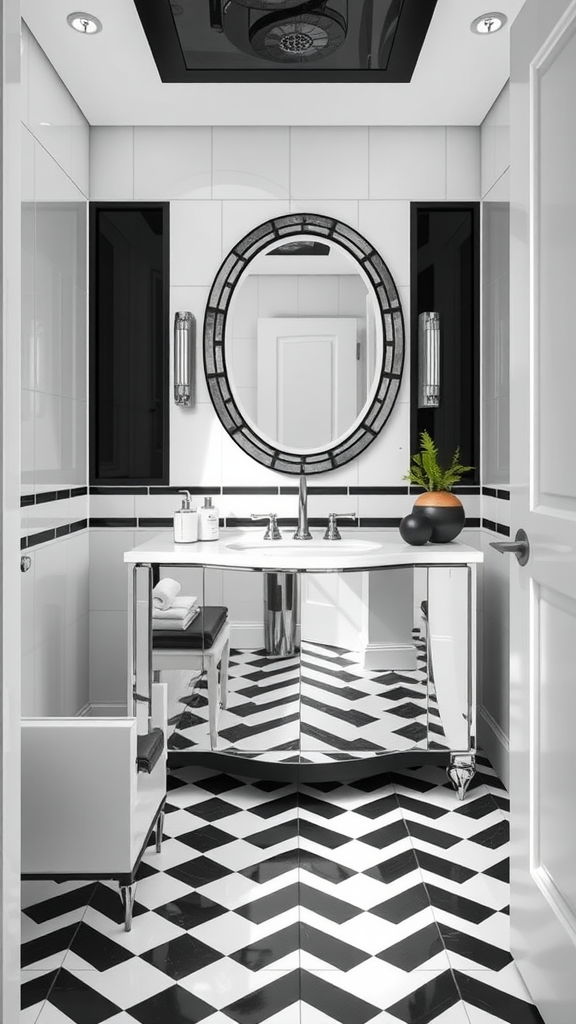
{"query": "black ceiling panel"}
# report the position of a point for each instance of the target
(285, 40)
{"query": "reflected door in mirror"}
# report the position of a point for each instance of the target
(306, 372)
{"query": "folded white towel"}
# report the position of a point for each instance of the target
(178, 609)
(164, 593)
(176, 623)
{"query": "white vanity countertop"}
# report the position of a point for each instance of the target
(246, 549)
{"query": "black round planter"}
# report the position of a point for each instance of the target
(446, 521)
(416, 528)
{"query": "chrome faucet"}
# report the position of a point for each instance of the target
(302, 532)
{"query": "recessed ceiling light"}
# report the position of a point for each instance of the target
(85, 23)
(488, 24)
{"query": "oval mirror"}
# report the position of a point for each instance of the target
(303, 343)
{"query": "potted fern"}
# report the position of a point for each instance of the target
(438, 514)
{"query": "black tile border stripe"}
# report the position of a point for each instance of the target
(488, 524)
(113, 522)
(118, 490)
(249, 490)
(32, 539)
(176, 490)
(42, 497)
(378, 490)
(493, 492)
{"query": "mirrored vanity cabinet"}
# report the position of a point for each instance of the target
(341, 659)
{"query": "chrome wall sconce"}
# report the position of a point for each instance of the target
(184, 361)
(428, 361)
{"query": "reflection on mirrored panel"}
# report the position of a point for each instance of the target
(318, 668)
(303, 344)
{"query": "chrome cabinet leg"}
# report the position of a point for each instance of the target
(461, 771)
(127, 895)
(159, 828)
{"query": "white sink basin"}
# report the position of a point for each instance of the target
(303, 547)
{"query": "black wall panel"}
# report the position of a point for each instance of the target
(445, 243)
(129, 354)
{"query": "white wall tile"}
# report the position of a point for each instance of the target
(49, 106)
(108, 646)
(251, 163)
(195, 242)
(196, 446)
(495, 141)
(384, 506)
(76, 551)
(345, 210)
(27, 446)
(24, 71)
(108, 571)
(80, 149)
(52, 183)
(76, 649)
(27, 685)
(111, 163)
(49, 677)
(408, 163)
(239, 218)
(172, 163)
(241, 506)
(159, 506)
(386, 460)
(50, 591)
(386, 224)
(329, 162)
(462, 163)
(111, 506)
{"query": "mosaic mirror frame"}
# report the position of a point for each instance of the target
(374, 415)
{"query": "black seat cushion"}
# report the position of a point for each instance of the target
(200, 634)
(149, 749)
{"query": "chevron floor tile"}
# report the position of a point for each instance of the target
(383, 900)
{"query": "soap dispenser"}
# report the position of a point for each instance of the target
(208, 523)
(185, 522)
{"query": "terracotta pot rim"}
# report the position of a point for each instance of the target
(435, 498)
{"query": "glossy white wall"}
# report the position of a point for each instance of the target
(54, 140)
(9, 511)
(493, 718)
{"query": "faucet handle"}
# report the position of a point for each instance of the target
(332, 531)
(272, 531)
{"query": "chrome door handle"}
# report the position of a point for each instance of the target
(520, 547)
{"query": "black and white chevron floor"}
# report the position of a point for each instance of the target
(383, 900)
(315, 708)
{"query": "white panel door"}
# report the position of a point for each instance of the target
(307, 368)
(543, 592)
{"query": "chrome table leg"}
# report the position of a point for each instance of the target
(461, 771)
(127, 895)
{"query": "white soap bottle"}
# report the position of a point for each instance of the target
(185, 522)
(208, 524)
